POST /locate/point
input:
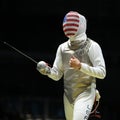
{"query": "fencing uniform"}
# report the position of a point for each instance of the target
(79, 84)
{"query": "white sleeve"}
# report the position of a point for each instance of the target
(98, 69)
(56, 71)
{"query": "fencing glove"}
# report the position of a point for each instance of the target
(43, 68)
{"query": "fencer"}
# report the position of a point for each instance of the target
(80, 62)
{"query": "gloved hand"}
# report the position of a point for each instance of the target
(43, 68)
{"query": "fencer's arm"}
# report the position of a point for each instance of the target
(98, 69)
(57, 69)
(54, 72)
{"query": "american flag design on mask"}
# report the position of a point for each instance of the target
(71, 23)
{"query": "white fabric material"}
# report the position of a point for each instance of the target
(82, 106)
(81, 37)
(76, 81)
(97, 70)
(96, 57)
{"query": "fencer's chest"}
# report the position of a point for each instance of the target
(81, 54)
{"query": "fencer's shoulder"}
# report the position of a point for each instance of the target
(63, 44)
(93, 42)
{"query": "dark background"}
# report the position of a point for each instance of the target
(35, 28)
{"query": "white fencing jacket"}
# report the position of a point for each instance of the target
(92, 66)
